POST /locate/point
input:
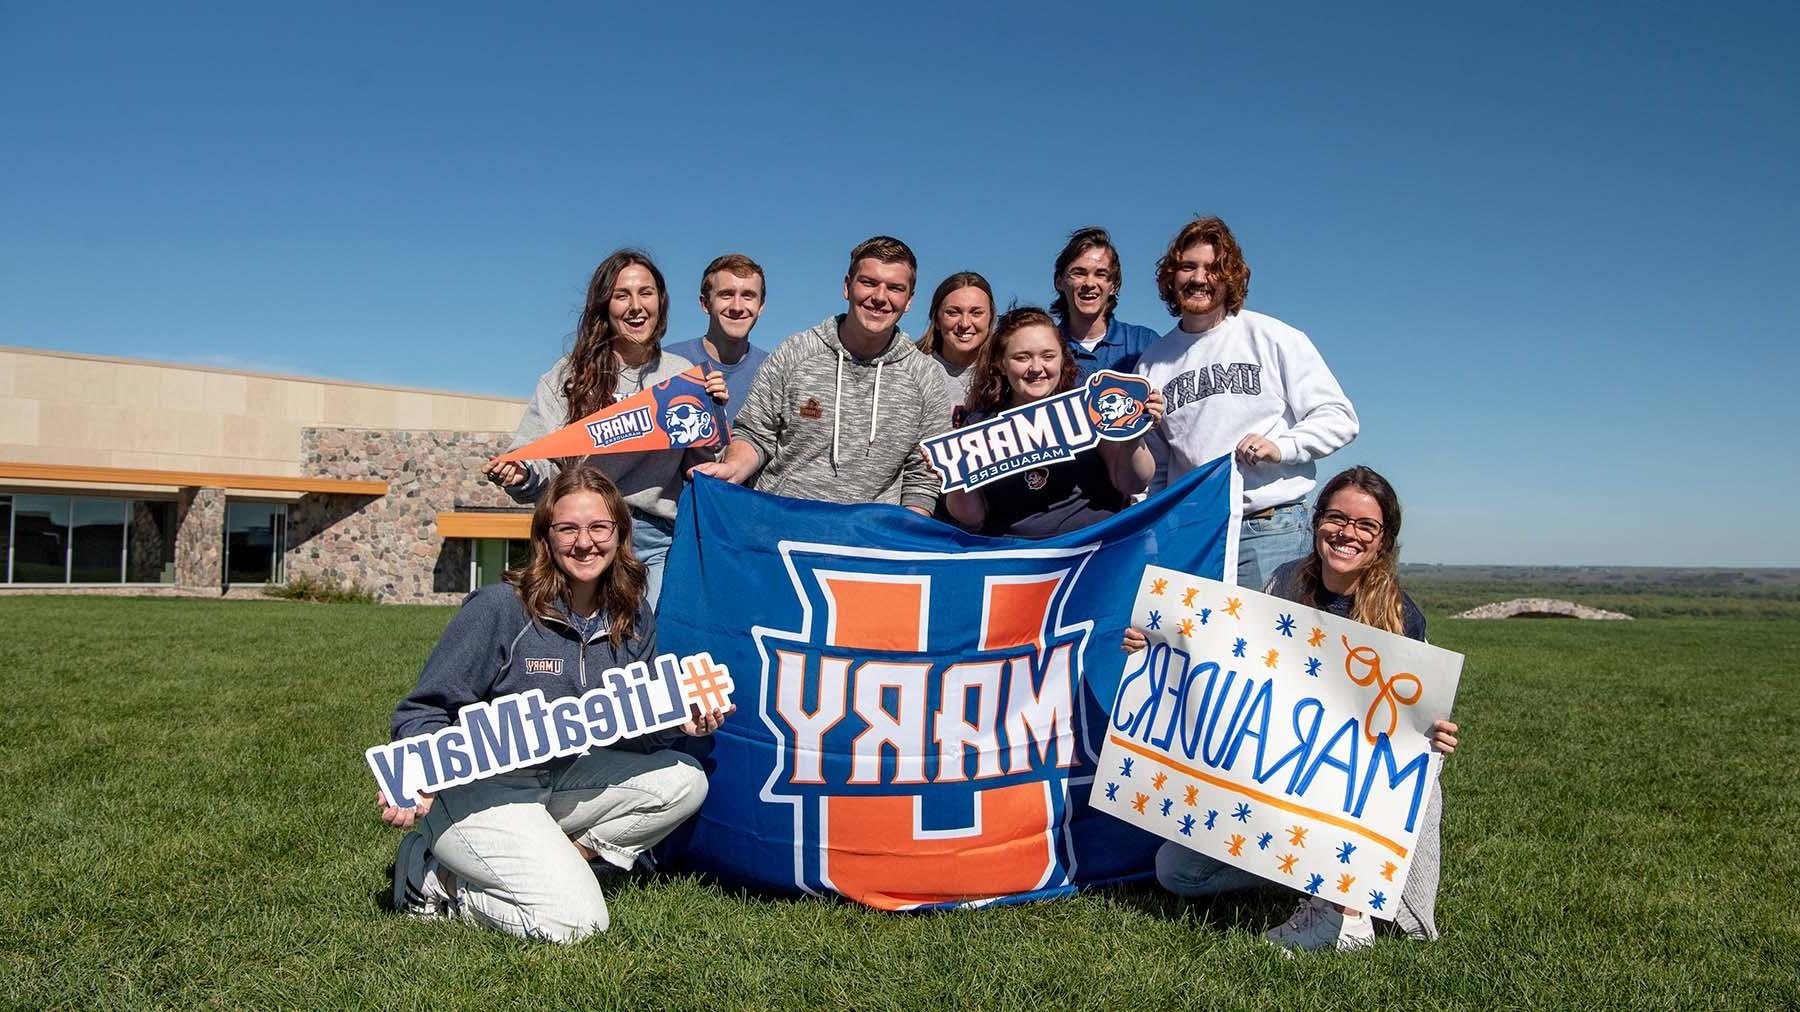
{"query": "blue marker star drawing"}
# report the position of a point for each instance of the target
(1241, 813)
(1262, 842)
(1112, 792)
(1312, 666)
(1313, 884)
(1125, 767)
(1237, 649)
(1377, 898)
(1205, 613)
(1187, 825)
(1167, 804)
(1285, 626)
(1344, 852)
(1156, 620)
(1211, 814)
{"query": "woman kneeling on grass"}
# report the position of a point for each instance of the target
(1028, 359)
(512, 851)
(1352, 571)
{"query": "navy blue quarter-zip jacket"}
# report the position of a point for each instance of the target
(493, 648)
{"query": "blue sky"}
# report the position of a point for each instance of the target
(1547, 250)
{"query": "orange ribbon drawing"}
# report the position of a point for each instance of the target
(1388, 693)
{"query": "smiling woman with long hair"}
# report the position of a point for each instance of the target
(1026, 360)
(1352, 571)
(957, 328)
(512, 851)
(617, 353)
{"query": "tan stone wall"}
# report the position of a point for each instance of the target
(389, 546)
(63, 408)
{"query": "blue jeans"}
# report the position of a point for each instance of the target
(1267, 543)
(1187, 872)
(650, 540)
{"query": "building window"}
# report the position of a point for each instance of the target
(494, 556)
(97, 541)
(150, 542)
(40, 539)
(255, 539)
(86, 539)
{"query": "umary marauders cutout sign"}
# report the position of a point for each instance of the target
(672, 415)
(1109, 406)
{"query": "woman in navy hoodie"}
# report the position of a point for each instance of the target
(512, 851)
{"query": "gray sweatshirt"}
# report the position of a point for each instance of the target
(831, 426)
(650, 481)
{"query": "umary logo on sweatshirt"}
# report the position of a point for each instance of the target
(543, 665)
(811, 408)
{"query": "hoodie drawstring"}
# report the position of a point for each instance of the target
(837, 415)
(837, 400)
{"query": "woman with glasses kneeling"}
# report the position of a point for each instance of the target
(1352, 571)
(512, 851)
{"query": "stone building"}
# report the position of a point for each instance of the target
(145, 477)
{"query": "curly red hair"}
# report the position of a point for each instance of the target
(1229, 270)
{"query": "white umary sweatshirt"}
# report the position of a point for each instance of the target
(1251, 374)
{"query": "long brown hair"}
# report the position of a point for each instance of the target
(1229, 265)
(989, 392)
(1378, 597)
(928, 343)
(593, 373)
(541, 583)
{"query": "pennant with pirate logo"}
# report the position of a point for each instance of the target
(672, 415)
(1109, 406)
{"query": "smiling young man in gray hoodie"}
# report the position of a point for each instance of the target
(838, 410)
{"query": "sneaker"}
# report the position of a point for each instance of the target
(1318, 924)
(418, 892)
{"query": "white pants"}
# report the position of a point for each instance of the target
(506, 838)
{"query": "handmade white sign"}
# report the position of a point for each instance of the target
(1277, 738)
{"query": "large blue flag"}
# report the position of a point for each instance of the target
(919, 709)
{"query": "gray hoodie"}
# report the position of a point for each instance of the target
(831, 426)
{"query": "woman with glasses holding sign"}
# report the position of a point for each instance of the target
(511, 851)
(1027, 360)
(1352, 571)
(618, 352)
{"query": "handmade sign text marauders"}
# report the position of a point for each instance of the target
(1110, 405)
(1277, 738)
(672, 415)
(524, 729)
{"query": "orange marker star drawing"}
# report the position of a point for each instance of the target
(1236, 844)
(1388, 868)
(1232, 605)
(1193, 796)
(1287, 862)
(1138, 802)
(1158, 585)
(1186, 627)
(1269, 661)
(1158, 780)
(1344, 882)
(1317, 637)
(1297, 836)
(1187, 599)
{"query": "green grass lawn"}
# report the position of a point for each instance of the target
(187, 821)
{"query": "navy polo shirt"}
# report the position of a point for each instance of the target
(1118, 350)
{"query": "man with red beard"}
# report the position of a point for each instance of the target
(1239, 382)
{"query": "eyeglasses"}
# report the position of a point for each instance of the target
(600, 532)
(1367, 528)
